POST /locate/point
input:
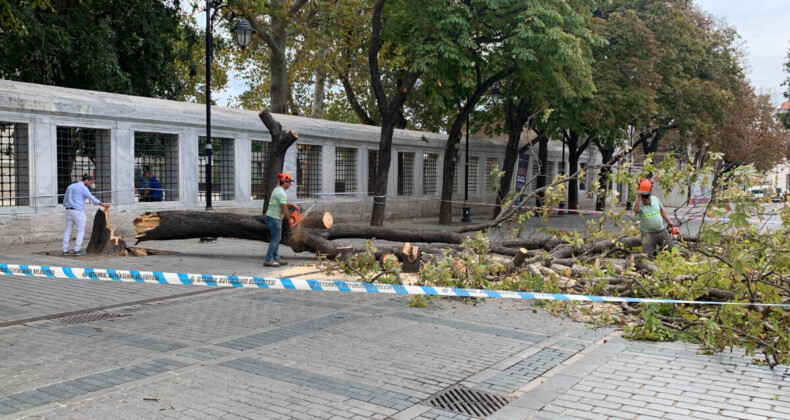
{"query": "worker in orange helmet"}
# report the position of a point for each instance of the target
(278, 208)
(651, 220)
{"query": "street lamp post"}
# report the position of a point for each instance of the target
(466, 216)
(242, 32)
(209, 153)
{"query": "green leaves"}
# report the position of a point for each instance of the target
(107, 45)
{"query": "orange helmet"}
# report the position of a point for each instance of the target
(645, 186)
(285, 176)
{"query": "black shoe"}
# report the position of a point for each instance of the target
(66, 254)
(80, 253)
(271, 264)
(282, 263)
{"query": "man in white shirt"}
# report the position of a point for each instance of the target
(74, 202)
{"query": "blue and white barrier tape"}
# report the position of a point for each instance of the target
(157, 277)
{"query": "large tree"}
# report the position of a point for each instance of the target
(282, 25)
(785, 117)
(107, 45)
(625, 94)
(751, 133)
(559, 66)
(699, 69)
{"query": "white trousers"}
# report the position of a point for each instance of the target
(74, 218)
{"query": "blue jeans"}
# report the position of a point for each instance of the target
(276, 228)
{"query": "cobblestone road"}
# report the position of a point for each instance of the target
(125, 350)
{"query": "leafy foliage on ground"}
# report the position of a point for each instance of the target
(743, 265)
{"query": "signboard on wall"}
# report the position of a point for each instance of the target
(521, 173)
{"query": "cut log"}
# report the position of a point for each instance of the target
(412, 258)
(519, 259)
(317, 220)
(389, 260)
(103, 240)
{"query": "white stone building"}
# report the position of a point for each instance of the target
(50, 136)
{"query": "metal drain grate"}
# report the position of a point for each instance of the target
(88, 317)
(462, 400)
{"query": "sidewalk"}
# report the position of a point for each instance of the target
(197, 352)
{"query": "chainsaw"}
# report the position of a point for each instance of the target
(298, 215)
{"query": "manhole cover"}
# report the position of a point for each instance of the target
(88, 317)
(462, 400)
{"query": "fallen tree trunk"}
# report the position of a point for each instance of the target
(169, 225)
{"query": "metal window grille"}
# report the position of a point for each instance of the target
(158, 153)
(222, 169)
(308, 170)
(430, 163)
(373, 162)
(535, 171)
(84, 151)
(490, 179)
(561, 167)
(345, 170)
(405, 173)
(583, 183)
(473, 161)
(14, 167)
(259, 158)
(549, 172)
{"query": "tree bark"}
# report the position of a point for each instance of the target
(543, 158)
(516, 117)
(453, 144)
(103, 240)
(319, 78)
(607, 153)
(391, 113)
(278, 64)
(281, 141)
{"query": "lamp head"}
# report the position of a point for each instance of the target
(496, 94)
(243, 32)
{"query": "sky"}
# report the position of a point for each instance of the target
(764, 26)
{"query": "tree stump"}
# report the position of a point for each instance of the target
(103, 241)
(519, 259)
(412, 258)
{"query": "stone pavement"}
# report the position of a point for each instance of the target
(125, 350)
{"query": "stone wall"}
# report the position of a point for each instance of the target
(41, 110)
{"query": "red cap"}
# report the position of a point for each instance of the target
(285, 176)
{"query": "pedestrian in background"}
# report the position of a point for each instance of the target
(278, 208)
(140, 182)
(651, 220)
(153, 190)
(74, 202)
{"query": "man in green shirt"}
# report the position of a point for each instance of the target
(278, 208)
(651, 220)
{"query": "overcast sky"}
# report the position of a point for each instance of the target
(764, 26)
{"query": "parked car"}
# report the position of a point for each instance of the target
(779, 196)
(758, 192)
